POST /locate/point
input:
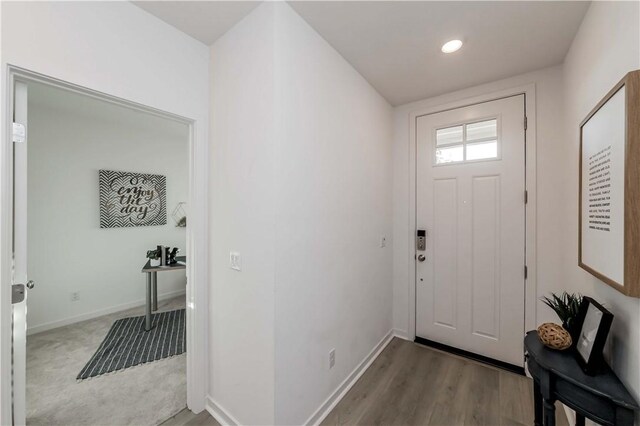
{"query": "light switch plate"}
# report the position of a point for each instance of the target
(235, 261)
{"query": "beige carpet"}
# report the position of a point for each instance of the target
(142, 395)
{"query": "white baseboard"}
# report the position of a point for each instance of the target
(221, 415)
(319, 415)
(401, 334)
(90, 315)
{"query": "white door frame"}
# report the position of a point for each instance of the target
(529, 92)
(196, 239)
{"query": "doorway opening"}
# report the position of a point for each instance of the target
(54, 196)
(102, 182)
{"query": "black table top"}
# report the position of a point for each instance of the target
(182, 264)
(564, 365)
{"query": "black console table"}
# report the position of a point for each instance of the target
(557, 376)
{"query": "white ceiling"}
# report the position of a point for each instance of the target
(202, 20)
(395, 45)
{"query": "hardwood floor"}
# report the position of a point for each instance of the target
(410, 384)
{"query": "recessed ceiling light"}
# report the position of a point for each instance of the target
(451, 46)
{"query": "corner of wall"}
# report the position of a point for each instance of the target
(242, 219)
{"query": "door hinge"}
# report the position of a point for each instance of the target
(17, 293)
(526, 196)
(526, 272)
(525, 123)
(19, 134)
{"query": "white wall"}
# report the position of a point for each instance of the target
(70, 138)
(242, 197)
(113, 47)
(125, 52)
(551, 157)
(333, 280)
(606, 47)
(301, 158)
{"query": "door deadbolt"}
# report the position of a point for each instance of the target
(421, 240)
(421, 258)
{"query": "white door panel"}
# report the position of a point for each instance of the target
(470, 288)
(19, 324)
(445, 247)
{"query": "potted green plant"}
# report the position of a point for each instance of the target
(154, 257)
(567, 307)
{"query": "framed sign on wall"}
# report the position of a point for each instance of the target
(609, 215)
(132, 199)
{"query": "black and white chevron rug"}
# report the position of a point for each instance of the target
(127, 344)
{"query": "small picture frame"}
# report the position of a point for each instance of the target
(595, 323)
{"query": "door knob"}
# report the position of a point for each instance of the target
(31, 284)
(421, 258)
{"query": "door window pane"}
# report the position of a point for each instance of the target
(482, 150)
(482, 130)
(472, 141)
(449, 154)
(449, 135)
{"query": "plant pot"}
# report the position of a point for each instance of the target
(154, 262)
(572, 332)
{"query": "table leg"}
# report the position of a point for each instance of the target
(549, 412)
(579, 420)
(147, 319)
(537, 404)
(154, 278)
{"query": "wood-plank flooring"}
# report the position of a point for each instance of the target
(410, 384)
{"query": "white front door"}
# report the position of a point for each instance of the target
(470, 201)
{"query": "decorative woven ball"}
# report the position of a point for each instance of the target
(554, 336)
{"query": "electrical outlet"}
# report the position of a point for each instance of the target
(75, 296)
(383, 241)
(332, 358)
(235, 261)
